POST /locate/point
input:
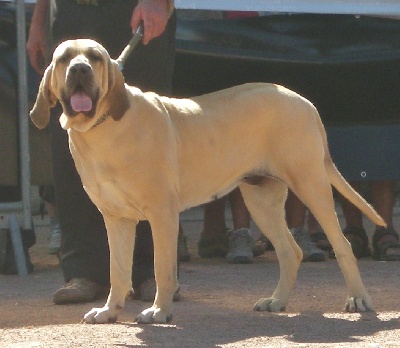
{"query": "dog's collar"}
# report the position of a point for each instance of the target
(101, 119)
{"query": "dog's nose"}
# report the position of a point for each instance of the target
(81, 68)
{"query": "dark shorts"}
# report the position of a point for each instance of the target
(364, 153)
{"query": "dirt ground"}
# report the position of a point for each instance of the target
(216, 310)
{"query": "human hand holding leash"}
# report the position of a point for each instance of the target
(154, 14)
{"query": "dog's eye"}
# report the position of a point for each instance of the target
(66, 57)
(94, 56)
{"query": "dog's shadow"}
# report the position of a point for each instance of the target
(215, 329)
(218, 313)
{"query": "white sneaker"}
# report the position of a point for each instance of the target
(240, 246)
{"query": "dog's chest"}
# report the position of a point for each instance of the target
(112, 198)
(109, 188)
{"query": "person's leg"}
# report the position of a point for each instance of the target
(84, 252)
(354, 230)
(149, 67)
(382, 196)
(386, 244)
(84, 246)
(214, 218)
(213, 239)
(295, 211)
(295, 218)
(240, 214)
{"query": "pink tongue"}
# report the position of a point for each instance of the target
(81, 102)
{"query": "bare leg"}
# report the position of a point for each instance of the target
(240, 214)
(214, 218)
(295, 211)
(382, 193)
(213, 239)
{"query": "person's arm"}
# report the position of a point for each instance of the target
(36, 44)
(154, 14)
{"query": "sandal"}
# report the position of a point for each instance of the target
(380, 249)
(321, 240)
(359, 242)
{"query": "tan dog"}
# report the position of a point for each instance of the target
(146, 157)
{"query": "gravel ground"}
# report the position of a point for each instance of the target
(216, 310)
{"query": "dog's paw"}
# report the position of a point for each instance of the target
(153, 315)
(270, 305)
(358, 304)
(100, 316)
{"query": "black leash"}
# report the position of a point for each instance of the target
(137, 37)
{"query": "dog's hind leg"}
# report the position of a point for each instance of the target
(121, 240)
(266, 205)
(316, 194)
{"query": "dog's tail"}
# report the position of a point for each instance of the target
(348, 192)
(340, 183)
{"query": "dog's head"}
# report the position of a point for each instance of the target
(86, 81)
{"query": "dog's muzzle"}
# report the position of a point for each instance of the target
(80, 95)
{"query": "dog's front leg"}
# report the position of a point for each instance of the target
(165, 239)
(121, 240)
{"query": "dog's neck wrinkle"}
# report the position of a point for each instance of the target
(101, 119)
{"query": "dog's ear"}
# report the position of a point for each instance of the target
(118, 102)
(45, 100)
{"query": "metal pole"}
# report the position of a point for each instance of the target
(19, 254)
(23, 116)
